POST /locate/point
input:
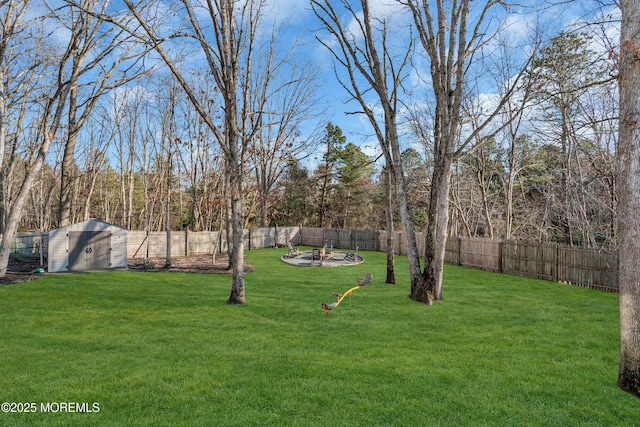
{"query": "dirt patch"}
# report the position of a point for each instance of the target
(25, 270)
(190, 264)
(19, 271)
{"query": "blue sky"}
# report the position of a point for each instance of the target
(517, 26)
(302, 25)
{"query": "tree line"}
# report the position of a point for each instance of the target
(200, 116)
(129, 143)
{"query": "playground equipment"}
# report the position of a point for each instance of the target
(339, 297)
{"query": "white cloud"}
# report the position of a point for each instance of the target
(355, 26)
(605, 29)
(518, 27)
(385, 8)
(287, 10)
(388, 11)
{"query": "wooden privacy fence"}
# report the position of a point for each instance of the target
(143, 244)
(557, 263)
(340, 238)
(577, 266)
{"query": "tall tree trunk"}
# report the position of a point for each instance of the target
(413, 257)
(168, 228)
(3, 131)
(629, 223)
(228, 214)
(391, 232)
(66, 171)
(129, 212)
(235, 169)
(482, 185)
(13, 12)
(264, 206)
(323, 197)
(15, 212)
(237, 222)
(564, 179)
(93, 176)
(123, 191)
(436, 237)
(509, 186)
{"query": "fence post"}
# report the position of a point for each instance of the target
(275, 237)
(556, 275)
(500, 256)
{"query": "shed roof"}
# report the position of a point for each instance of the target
(89, 224)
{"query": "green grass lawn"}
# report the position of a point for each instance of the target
(164, 349)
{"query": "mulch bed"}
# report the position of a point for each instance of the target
(190, 264)
(19, 271)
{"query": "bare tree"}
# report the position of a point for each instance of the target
(564, 74)
(600, 179)
(99, 58)
(48, 106)
(128, 119)
(629, 205)
(12, 13)
(100, 136)
(169, 137)
(227, 34)
(451, 37)
(11, 79)
(284, 103)
(367, 57)
(198, 158)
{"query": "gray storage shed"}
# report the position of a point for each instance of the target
(87, 245)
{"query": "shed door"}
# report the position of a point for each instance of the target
(89, 250)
